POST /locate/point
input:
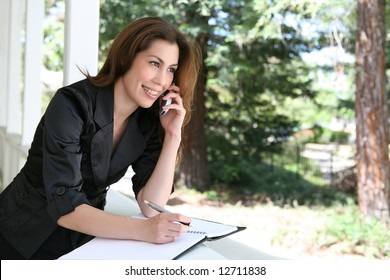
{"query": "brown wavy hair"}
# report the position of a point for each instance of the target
(137, 37)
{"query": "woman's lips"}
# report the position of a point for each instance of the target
(151, 93)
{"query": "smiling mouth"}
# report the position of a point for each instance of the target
(150, 91)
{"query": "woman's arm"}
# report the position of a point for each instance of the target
(159, 186)
(158, 229)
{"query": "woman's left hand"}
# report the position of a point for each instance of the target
(172, 121)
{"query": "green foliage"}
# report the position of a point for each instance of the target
(53, 39)
(260, 90)
(189, 15)
(358, 234)
(285, 187)
(323, 135)
(279, 180)
(339, 137)
(253, 66)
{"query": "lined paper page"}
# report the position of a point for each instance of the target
(114, 249)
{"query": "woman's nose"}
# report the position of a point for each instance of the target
(161, 78)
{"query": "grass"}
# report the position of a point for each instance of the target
(283, 181)
(356, 233)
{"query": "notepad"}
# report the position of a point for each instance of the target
(115, 249)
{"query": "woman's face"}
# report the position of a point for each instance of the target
(151, 73)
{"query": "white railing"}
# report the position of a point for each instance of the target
(13, 156)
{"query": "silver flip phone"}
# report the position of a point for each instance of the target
(165, 103)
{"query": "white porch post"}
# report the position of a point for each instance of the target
(35, 13)
(13, 115)
(81, 38)
(5, 7)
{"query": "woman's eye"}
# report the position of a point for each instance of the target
(155, 63)
(172, 70)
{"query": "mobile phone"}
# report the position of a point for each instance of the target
(165, 103)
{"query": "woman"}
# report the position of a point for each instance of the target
(91, 132)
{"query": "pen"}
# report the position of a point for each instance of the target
(161, 209)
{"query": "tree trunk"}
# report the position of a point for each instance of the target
(372, 133)
(193, 171)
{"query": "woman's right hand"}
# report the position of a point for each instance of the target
(165, 227)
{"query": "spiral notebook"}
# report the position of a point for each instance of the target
(114, 249)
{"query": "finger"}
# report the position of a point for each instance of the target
(169, 239)
(178, 230)
(176, 100)
(174, 95)
(164, 239)
(174, 88)
(184, 219)
(175, 108)
(179, 219)
(179, 100)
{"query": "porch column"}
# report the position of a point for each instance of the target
(14, 71)
(81, 39)
(35, 13)
(5, 7)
